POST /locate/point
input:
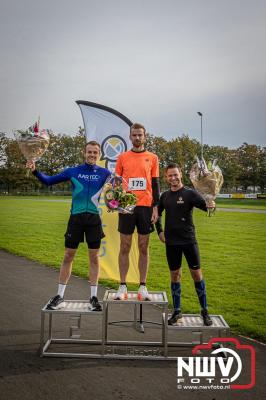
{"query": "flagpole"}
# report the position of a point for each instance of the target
(201, 137)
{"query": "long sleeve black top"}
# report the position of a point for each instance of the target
(178, 205)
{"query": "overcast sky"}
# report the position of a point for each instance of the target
(157, 62)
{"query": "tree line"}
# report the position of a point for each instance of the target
(243, 168)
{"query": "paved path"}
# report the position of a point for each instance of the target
(25, 287)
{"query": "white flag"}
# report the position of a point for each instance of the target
(108, 127)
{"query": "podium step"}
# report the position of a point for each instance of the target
(195, 321)
(156, 297)
(73, 306)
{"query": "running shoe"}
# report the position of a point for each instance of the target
(54, 302)
(94, 304)
(121, 293)
(175, 318)
(206, 318)
(143, 294)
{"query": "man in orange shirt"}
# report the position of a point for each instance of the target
(140, 169)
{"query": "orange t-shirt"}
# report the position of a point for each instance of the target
(138, 169)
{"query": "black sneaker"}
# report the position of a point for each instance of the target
(94, 304)
(54, 302)
(206, 318)
(175, 318)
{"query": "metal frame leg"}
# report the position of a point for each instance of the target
(135, 316)
(104, 327)
(42, 334)
(140, 325)
(50, 325)
(165, 330)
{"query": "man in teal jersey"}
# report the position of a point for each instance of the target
(87, 182)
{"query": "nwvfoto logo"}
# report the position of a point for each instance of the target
(225, 362)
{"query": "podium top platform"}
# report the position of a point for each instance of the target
(156, 298)
(73, 306)
(195, 321)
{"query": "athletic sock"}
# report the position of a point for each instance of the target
(176, 295)
(201, 292)
(61, 289)
(94, 290)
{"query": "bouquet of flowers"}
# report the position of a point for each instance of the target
(207, 180)
(117, 198)
(32, 142)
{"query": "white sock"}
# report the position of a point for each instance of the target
(61, 289)
(94, 290)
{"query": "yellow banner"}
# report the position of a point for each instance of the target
(109, 251)
(237, 196)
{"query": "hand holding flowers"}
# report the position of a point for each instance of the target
(32, 143)
(117, 198)
(207, 180)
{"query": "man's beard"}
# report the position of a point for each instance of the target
(137, 144)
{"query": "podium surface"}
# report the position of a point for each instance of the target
(156, 298)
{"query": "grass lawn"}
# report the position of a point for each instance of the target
(256, 204)
(232, 252)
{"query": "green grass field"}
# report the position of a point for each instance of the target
(232, 254)
(255, 204)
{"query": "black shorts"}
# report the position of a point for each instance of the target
(141, 218)
(84, 223)
(174, 256)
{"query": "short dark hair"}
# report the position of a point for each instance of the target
(172, 165)
(136, 125)
(93, 143)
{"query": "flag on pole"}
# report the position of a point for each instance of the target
(111, 130)
(35, 127)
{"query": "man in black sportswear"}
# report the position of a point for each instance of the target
(179, 238)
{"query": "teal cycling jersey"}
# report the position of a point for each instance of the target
(87, 182)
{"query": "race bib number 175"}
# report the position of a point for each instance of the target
(137, 184)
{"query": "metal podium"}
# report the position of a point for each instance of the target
(75, 331)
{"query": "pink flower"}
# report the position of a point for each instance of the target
(113, 204)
